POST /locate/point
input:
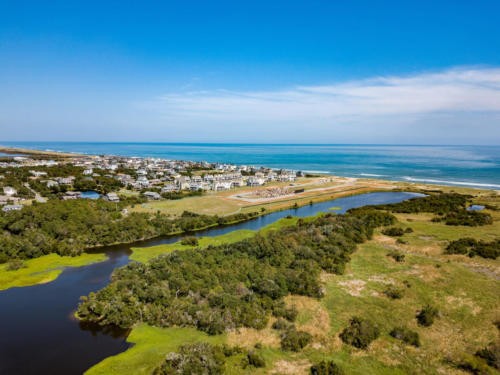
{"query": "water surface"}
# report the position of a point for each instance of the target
(476, 166)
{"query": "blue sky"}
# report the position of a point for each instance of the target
(423, 72)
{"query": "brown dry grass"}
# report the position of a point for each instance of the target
(298, 367)
(248, 337)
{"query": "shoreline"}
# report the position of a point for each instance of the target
(429, 181)
(26, 151)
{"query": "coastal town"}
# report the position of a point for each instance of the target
(154, 178)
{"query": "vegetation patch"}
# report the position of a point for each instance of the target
(397, 255)
(151, 345)
(223, 287)
(426, 316)
(406, 335)
(41, 270)
(393, 292)
(197, 358)
(69, 227)
(393, 231)
(471, 247)
(360, 333)
(294, 340)
(326, 368)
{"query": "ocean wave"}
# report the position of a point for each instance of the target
(465, 183)
(372, 175)
(323, 172)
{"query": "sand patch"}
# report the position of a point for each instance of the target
(353, 287)
(426, 238)
(298, 367)
(382, 280)
(384, 239)
(425, 272)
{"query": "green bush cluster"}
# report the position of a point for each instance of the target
(393, 292)
(393, 231)
(436, 203)
(255, 359)
(472, 247)
(360, 333)
(326, 368)
(190, 241)
(282, 325)
(466, 218)
(449, 208)
(198, 358)
(426, 316)
(406, 335)
(397, 255)
(294, 340)
(219, 288)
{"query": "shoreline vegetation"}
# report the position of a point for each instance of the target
(43, 270)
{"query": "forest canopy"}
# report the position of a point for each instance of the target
(219, 288)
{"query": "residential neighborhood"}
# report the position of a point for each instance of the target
(154, 178)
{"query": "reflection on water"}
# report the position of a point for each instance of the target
(40, 334)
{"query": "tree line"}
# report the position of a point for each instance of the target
(71, 227)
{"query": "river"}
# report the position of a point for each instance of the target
(38, 333)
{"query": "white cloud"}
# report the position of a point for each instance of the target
(456, 90)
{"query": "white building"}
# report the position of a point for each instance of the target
(152, 195)
(112, 197)
(8, 190)
(12, 207)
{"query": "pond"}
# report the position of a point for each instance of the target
(90, 194)
(475, 207)
(40, 334)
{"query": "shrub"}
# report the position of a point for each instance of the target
(406, 335)
(190, 241)
(474, 365)
(491, 354)
(360, 333)
(468, 218)
(255, 359)
(393, 231)
(282, 325)
(393, 292)
(199, 358)
(293, 340)
(426, 316)
(408, 230)
(398, 256)
(470, 246)
(326, 368)
(15, 264)
(289, 313)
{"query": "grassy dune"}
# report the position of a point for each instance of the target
(43, 270)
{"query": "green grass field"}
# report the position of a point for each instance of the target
(43, 270)
(151, 344)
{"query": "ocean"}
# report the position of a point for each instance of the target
(474, 166)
